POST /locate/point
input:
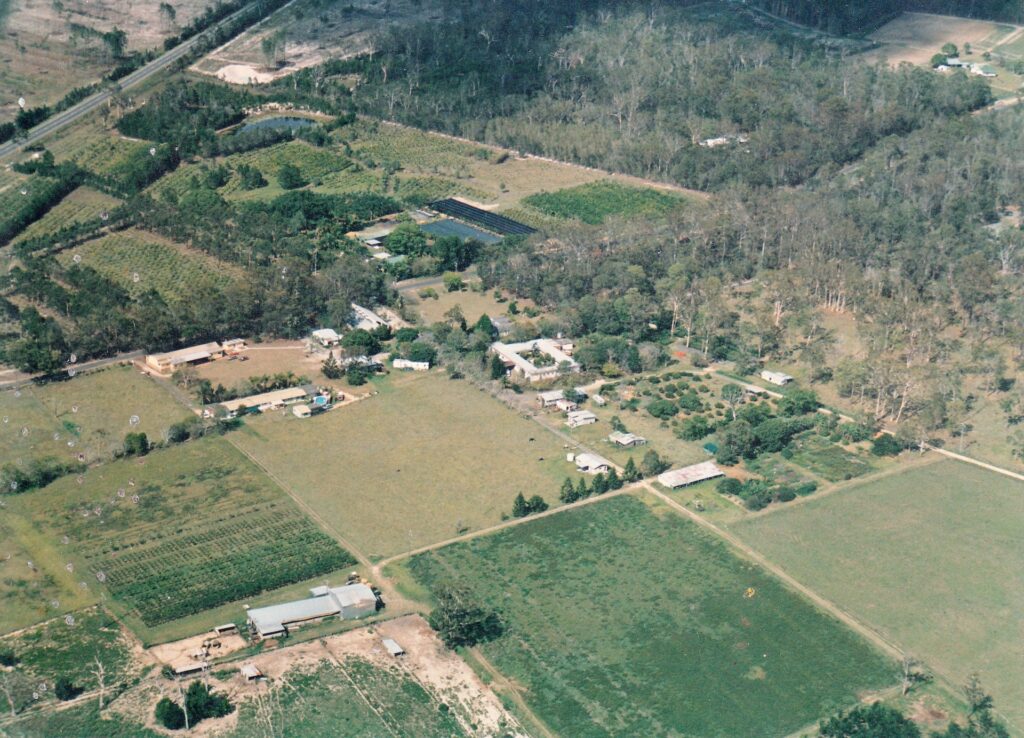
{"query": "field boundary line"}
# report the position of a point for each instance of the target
(976, 462)
(891, 649)
(508, 524)
(304, 506)
(513, 693)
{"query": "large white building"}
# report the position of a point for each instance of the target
(350, 602)
(557, 351)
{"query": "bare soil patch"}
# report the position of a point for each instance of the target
(917, 37)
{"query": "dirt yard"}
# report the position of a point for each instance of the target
(36, 44)
(189, 650)
(439, 670)
(917, 37)
(313, 30)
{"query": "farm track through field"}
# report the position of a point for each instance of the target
(513, 693)
(828, 606)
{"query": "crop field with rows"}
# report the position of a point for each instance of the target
(140, 261)
(100, 153)
(84, 204)
(181, 530)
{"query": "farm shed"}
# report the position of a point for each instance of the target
(350, 602)
(449, 227)
(416, 366)
(502, 324)
(167, 363)
(483, 218)
(251, 672)
(326, 337)
(558, 351)
(392, 647)
(193, 667)
(566, 406)
(599, 400)
(365, 318)
(226, 629)
(592, 463)
(580, 417)
(690, 475)
(233, 346)
(778, 378)
(626, 440)
(301, 411)
(550, 398)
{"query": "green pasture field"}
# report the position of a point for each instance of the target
(141, 261)
(931, 558)
(82, 719)
(31, 594)
(82, 205)
(358, 698)
(180, 531)
(89, 415)
(827, 460)
(775, 469)
(594, 202)
(426, 458)
(624, 619)
(67, 646)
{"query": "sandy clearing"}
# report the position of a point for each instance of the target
(190, 650)
(916, 37)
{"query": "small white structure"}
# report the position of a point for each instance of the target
(690, 475)
(580, 417)
(251, 672)
(558, 351)
(592, 463)
(301, 411)
(416, 366)
(326, 337)
(169, 362)
(550, 398)
(566, 406)
(233, 346)
(193, 667)
(373, 243)
(599, 400)
(381, 255)
(626, 440)
(392, 647)
(226, 629)
(778, 378)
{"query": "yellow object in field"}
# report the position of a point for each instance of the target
(749, 593)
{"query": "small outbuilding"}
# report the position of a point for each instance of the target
(626, 440)
(326, 337)
(566, 405)
(580, 417)
(392, 647)
(301, 411)
(416, 366)
(777, 378)
(251, 672)
(550, 398)
(592, 463)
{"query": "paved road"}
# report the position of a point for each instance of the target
(59, 121)
(84, 367)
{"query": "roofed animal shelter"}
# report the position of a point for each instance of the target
(350, 602)
(690, 475)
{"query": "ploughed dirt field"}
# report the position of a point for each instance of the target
(309, 32)
(42, 59)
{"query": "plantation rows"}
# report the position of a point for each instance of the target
(101, 155)
(82, 205)
(413, 148)
(183, 575)
(139, 263)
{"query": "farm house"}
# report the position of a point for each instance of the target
(172, 360)
(266, 400)
(690, 475)
(326, 337)
(351, 602)
(556, 355)
(550, 398)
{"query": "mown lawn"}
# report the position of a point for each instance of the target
(624, 619)
(931, 558)
(425, 459)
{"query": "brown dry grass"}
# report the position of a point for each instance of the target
(916, 37)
